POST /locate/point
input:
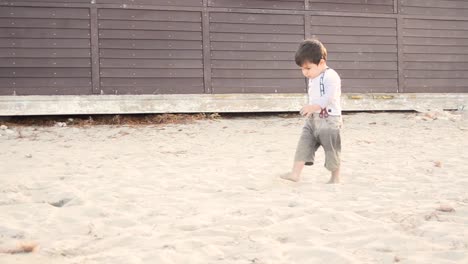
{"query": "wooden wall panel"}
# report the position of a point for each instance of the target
(435, 55)
(261, 4)
(363, 50)
(150, 51)
(222, 46)
(44, 51)
(254, 53)
(355, 6)
(153, 2)
(454, 8)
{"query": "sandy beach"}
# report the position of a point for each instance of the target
(209, 192)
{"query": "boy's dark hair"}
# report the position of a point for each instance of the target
(310, 50)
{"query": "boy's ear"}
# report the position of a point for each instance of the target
(322, 62)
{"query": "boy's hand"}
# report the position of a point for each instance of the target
(308, 110)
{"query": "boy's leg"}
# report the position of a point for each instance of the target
(330, 138)
(305, 152)
(295, 174)
(335, 176)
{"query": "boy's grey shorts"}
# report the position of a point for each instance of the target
(325, 132)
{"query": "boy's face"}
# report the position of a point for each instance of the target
(311, 70)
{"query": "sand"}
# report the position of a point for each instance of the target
(209, 192)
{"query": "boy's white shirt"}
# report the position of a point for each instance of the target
(331, 99)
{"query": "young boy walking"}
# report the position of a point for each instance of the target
(323, 112)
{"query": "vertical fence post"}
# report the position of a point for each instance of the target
(307, 33)
(95, 72)
(206, 48)
(400, 21)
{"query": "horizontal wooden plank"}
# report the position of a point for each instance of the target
(368, 74)
(356, 39)
(361, 48)
(45, 43)
(252, 55)
(45, 62)
(245, 37)
(233, 46)
(50, 1)
(45, 72)
(362, 22)
(151, 44)
(44, 23)
(254, 28)
(369, 2)
(149, 25)
(370, 84)
(39, 12)
(436, 57)
(149, 15)
(85, 90)
(435, 33)
(151, 63)
(439, 89)
(436, 3)
(281, 74)
(352, 56)
(147, 34)
(434, 11)
(152, 73)
(249, 74)
(260, 83)
(356, 8)
(435, 41)
(153, 82)
(260, 19)
(154, 2)
(44, 53)
(436, 49)
(352, 31)
(238, 64)
(133, 90)
(44, 33)
(150, 54)
(44, 82)
(366, 90)
(264, 4)
(435, 74)
(456, 66)
(429, 82)
(434, 24)
(258, 90)
(363, 65)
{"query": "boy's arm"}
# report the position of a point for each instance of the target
(309, 109)
(331, 87)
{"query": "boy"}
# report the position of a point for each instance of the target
(323, 125)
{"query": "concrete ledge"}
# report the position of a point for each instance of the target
(219, 103)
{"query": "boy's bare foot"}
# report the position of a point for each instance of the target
(334, 180)
(290, 176)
